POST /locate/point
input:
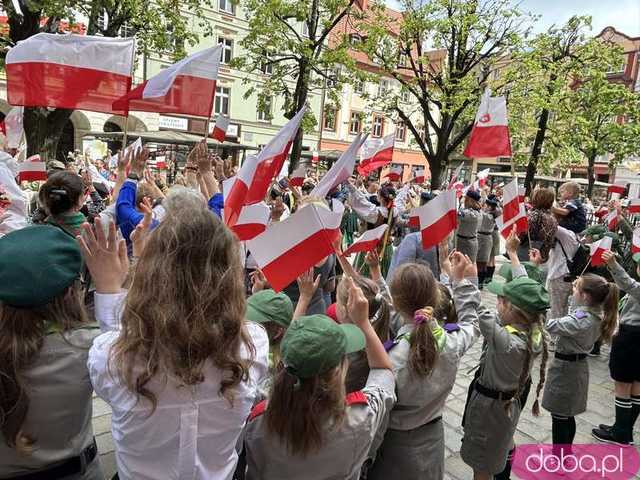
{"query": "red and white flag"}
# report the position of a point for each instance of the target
(315, 157)
(482, 177)
(291, 247)
(598, 248)
(340, 171)
(220, 128)
(14, 127)
(635, 243)
(257, 171)
(490, 134)
(611, 220)
(510, 200)
(520, 221)
(32, 170)
(368, 241)
(253, 220)
(454, 177)
(186, 87)
(617, 188)
(79, 72)
(601, 212)
(634, 205)
(395, 173)
(132, 147)
(376, 153)
(297, 177)
(418, 175)
(438, 218)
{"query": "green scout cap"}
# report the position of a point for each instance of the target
(532, 269)
(269, 306)
(524, 293)
(315, 344)
(595, 231)
(36, 265)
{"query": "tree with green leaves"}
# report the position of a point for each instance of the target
(158, 25)
(292, 40)
(442, 53)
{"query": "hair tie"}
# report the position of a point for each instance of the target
(423, 315)
(58, 191)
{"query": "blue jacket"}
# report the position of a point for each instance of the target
(127, 216)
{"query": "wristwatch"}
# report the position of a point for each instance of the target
(133, 176)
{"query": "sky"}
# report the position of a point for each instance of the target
(624, 15)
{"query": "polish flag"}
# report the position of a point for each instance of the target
(634, 205)
(454, 177)
(340, 171)
(520, 221)
(482, 177)
(297, 177)
(220, 129)
(159, 163)
(617, 188)
(186, 87)
(597, 249)
(132, 147)
(635, 243)
(257, 171)
(32, 170)
(79, 72)
(315, 157)
(395, 173)
(510, 200)
(490, 134)
(459, 189)
(368, 241)
(253, 220)
(611, 220)
(14, 127)
(601, 212)
(376, 153)
(291, 247)
(438, 218)
(418, 175)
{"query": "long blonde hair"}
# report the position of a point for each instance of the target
(185, 307)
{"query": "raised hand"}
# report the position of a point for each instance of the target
(535, 256)
(357, 304)
(140, 235)
(462, 267)
(513, 242)
(307, 285)
(609, 258)
(139, 161)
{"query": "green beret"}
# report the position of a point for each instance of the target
(533, 271)
(36, 265)
(523, 292)
(269, 306)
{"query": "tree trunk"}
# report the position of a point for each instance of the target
(591, 173)
(300, 95)
(536, 151)
(43, 129)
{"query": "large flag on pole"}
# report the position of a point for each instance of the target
(257, 171)
(291, 247)
(376, 153)
(79, 72)
(438, 218)
(490, 134)
(340, 171)
(186, 87)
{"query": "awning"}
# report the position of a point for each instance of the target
(168, 137)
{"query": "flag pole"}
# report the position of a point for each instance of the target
(126, 117)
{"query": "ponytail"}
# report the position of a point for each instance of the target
(380, 315)
(423, 352)
(601, 292)
(60, 193)
(543, 373)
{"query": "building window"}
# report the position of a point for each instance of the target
(355, 39)
(332, 79)
(264, 110)
(266, 68)
(305, 29)
(223, 100)
(405, 96)
(227, 6)
(401, 131)
(383, 87)
(355, 123)
(403, 60)
(329, 122)
(377, 129)
(358, 87)
(227, 52)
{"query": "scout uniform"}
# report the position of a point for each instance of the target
(413, 446)
(624, 360)
(312, 346)
(467, 233)
(37, 264)
(491, 416)
(567, 384)
(485, 236)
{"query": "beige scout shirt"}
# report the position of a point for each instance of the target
(60, 408)
(345, 449)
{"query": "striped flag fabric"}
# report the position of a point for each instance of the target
(455, 176)
(510, 201)
(297, 177)
(253, 220)
(187, 87)
(395, 173)
(419, 175)
(79, 72)
(376, 153)
(598, 248)
(520, 221)
(438, 218)
(291, 247)
(341, 170)
(490, 134)
(367, 241)
(617, 188)
(482, 177)
(220, 128)
(32, 170)
(611, 220)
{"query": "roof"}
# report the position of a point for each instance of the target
(168, 137)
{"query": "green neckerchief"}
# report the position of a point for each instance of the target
(438, 333)
(70, 222)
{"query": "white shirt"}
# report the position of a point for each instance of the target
(557, 261)
(193, 432)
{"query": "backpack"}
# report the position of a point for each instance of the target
(576, 221)
(578, 263)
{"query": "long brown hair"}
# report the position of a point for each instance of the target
(379, 309)
(23, 332)
(413, 287)
(185, 307)
(300, 409)
(535, 322)
(601, 292)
